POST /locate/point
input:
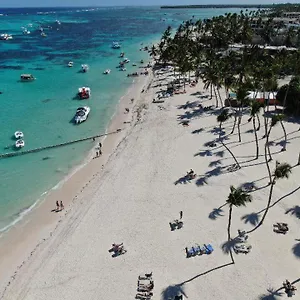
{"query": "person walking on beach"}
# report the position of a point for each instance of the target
(100, 149)
(62, 207)
(57, 205)
(180, 214)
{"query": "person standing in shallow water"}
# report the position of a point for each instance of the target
(61, 205)
(57, 205)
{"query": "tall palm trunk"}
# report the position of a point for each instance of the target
(239, 124)
(228, 232)
(218, 90)
(285, 96)
(265, 123)
(211, 91)
(266, 156)
(267, 207)
(234, 123)
(225, 146)
(256, 139)
(217, 102)
(285, 137)
(258, 121)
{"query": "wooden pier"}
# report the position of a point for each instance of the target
(17, 153)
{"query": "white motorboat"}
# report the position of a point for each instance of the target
(43, 34)
(5, 36)
(19, 144)
(84, 68)
(122, 54)
(70, 64)
(27, 77)
(123, 69)
(25, 30)
(84, 92)
(82, 114)
(19, 134)
(116, 45)
(106, 72)
(126, 60)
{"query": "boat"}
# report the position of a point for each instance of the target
(19, 134)
(84, 93)
(106, 72)
(43, 34)
(134, 64)
(25, 30)
(57, 22)
(123, 69)
(141, 61)
(84, 68)
(27, 77)
(70, 64)
(126, 60)
(82, 114)
(122, 54)
(5, 36)
(19, 144)
(116, 45)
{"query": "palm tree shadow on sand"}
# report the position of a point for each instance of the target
(252, 218)
(296, 250)
(272, 294)
(216, 212)
(171, 291)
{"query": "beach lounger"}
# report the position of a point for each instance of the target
(147, 276)
(242, 248)
(209, 248)
(189, 252)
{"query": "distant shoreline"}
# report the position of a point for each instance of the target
(219, 6)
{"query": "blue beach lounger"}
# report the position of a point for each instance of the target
(209, 248)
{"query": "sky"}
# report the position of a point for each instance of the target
(51, 3)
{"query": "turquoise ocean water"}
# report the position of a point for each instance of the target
(43, 109)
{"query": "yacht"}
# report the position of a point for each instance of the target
(19, 144)
(106, 72)
(19, 134)
(25, 30)
(82, 114)
(5, 36)
(116, 45)
(84, 93)
(70, 64)
(84, 68)
(27, 77)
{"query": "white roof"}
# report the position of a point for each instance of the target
(261, 95)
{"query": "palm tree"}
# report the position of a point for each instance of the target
(224, 116)
(282, 170)
(237, 198)
(255, 109)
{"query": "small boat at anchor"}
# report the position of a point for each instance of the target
(126, 60)
(27, 77)
(84, 92)
(70, 64)
(116, 45)
(82, 114)
(84, 68)
(106, 72)
(19, 134)
(19, 144)
(122, 54)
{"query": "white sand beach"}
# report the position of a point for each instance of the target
(133, 198)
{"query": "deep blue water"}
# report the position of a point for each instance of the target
(43, 109)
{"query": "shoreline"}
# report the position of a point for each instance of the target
(32, 229)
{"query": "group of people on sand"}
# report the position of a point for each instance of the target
(99, 150)
(59, 206)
